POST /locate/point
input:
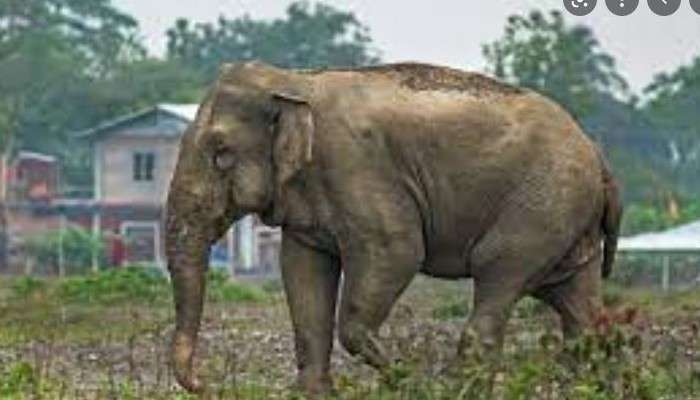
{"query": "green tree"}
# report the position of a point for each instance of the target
(308, 36)
(48, 50)
(94, 28)
(541, 52)
(674, 101)
(47, 47)
(566, 62)
(142, 83)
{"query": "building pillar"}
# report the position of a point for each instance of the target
(97, 235)
(246, 242)
(230, 248)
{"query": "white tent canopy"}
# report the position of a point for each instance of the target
(684, 238)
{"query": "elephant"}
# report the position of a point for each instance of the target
(380, 173)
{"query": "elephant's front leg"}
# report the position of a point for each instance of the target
(311, 283)
(375, 273)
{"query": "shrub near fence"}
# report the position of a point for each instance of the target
(144, 285)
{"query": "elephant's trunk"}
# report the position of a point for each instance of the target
(198, 212)
(188, 255)
(194, 208)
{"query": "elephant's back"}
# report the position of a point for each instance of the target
(420, 77)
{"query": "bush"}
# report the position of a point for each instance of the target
(26, 286)
(79, 245)
(133, 284)
(221, 288)
(117, 285)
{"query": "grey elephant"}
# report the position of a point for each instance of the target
(380, 173)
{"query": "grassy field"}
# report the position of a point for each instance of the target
(105, 336)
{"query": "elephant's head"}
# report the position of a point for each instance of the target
(252, 134)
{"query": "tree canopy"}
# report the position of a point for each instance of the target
(308, 36)
(654, 145)
(49, 49)
(542, 52)
(674, 102)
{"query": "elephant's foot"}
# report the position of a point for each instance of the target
(482, 337)
(182, 362)
(359, 341)
(479, 349)
(315, 384)
(473, 351)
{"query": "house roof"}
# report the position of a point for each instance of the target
(184, 113)
(678, 239)
(31, 155)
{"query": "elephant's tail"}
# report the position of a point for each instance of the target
(612, 214)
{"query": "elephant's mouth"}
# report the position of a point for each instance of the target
(270, 217)
(272, 214)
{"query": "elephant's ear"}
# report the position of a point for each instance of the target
(294, 136)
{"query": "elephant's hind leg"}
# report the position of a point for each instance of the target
(577, 300)
(506, 264)
(495, 293)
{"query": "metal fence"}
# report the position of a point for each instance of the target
(658, 270)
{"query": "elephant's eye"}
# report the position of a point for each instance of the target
(276, 117)
(224, 160)
(275, 120)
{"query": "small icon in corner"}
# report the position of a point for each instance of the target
(622, 7)
(580, 7)
(664, 7)
(695, 5)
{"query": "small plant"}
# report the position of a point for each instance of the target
(613, 294)
(16, 379)
(272, 286)
(452, 308)
(529, 307)
(26, 286)
(223, 289)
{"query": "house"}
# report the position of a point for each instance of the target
(33, 177)
(134, 159)
(30, 184)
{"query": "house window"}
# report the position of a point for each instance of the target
(144, 164)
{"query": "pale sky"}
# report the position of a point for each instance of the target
(451, 32)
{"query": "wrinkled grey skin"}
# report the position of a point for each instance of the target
(382, 173)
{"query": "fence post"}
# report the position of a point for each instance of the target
(666, 273)
(61, 253)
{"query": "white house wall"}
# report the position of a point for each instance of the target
(115, 169)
